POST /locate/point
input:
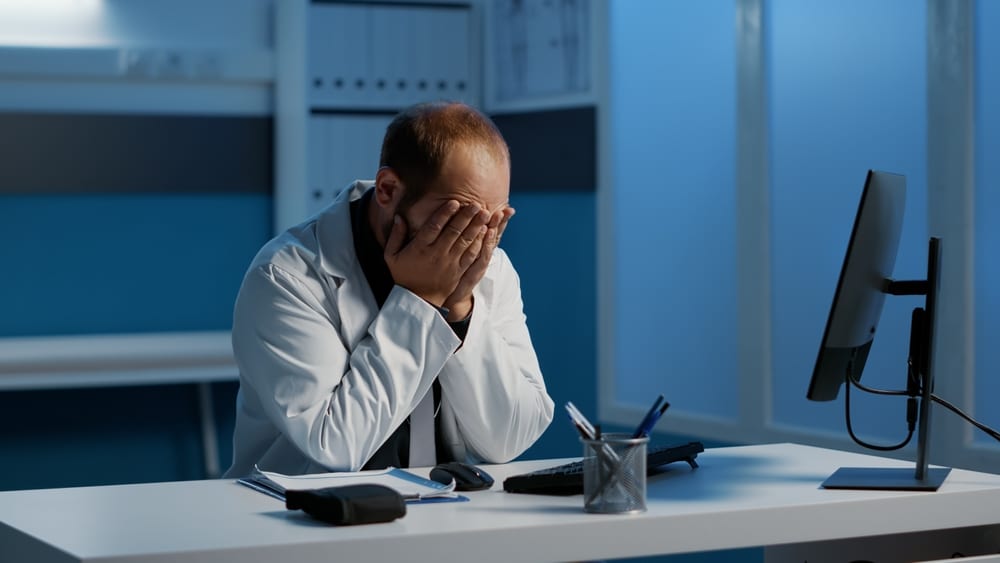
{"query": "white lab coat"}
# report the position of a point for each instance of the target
(326, 376)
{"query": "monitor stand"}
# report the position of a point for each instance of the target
(922, 478)
(886, 479)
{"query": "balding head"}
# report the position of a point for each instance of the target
(420, 138)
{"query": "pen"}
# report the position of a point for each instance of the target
(579, 428)
(578, 418)
(587, 431)
(645, 426)
(641, 429)
(605, 454)
(656, 417)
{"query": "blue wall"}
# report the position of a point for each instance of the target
(118, 263)
(93, 264)
(551, 243)
(987, 205)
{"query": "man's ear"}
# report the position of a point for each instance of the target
(389, 189)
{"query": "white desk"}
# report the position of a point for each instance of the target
(739, 497)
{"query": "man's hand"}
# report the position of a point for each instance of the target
(432, 264)
(459, 303)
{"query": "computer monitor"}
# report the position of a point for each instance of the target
(865, 279)
(858, 300)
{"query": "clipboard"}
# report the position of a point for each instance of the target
(413, 488)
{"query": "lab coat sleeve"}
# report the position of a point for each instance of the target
(494, 383)
(337, 405)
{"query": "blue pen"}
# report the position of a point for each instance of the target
(646, 419)
(652, 422)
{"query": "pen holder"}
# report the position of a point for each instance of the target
(614, 474)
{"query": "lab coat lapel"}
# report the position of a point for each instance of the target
(355, 305)
(356, 308)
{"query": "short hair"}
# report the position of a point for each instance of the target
(421, 136)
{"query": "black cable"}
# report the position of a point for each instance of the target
(857, 383)
(991, 432)
(913, 390)
(851, 381)
(944, 403)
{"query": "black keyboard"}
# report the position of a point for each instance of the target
(567, 479)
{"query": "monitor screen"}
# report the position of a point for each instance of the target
(858, 300)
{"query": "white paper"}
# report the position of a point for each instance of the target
(409, 485)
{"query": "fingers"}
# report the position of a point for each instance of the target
(453, 227)
(477, 268)
(472, 252)
(434, 226)
(508, 212)
(476, 259)
(498, 223)
(464, 228)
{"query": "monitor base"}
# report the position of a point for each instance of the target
(886, 479)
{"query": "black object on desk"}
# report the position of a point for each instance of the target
(349, 505)
(467, 477)
(567, 479)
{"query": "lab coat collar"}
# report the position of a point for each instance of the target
(334, 234)
(356, 306)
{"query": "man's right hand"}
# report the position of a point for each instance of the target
(432, 264)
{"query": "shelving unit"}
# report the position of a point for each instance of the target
(344, 69)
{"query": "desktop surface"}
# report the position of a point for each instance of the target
(738, 497)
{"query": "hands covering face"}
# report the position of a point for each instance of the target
(448, 255)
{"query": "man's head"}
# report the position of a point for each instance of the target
(434, 152)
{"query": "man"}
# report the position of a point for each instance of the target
(388, 329)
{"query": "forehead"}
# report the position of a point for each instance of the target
(473, 175)
(436, 198)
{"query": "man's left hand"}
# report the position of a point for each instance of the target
(459, 304)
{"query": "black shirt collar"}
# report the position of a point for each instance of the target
(370, 253)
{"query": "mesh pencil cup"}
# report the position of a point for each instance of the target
(614, 474)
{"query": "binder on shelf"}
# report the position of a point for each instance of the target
(322, 67)
(453, 42)
(354, 52)
(343, 148)
(339, 50)
(424, 54)
(390, 56)
(317, 177)
(386, 57)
